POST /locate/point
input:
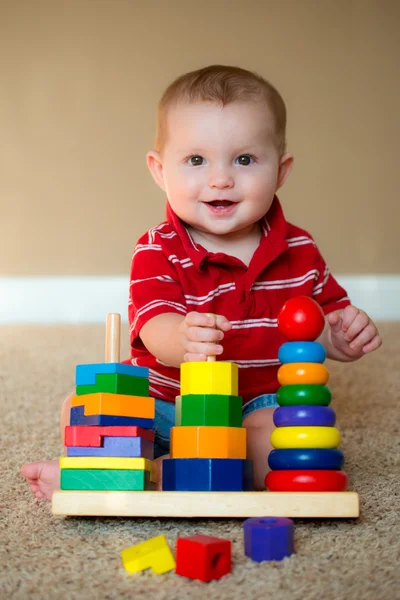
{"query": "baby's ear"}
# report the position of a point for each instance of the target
(285, 167)
(154, 163)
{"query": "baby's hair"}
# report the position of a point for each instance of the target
(222, 85)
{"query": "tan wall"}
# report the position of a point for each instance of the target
(79, 83)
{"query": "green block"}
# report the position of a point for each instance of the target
(127, 480)
(115, 383)
(208, 409)
(303, 394)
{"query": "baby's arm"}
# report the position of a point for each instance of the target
(174, 339)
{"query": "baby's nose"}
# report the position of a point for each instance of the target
(220, 179)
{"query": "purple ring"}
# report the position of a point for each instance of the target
(317, 416)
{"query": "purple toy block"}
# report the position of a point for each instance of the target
(314, 416)
(133, 447)
(268, 538)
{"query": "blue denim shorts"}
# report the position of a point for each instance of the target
(165, 419)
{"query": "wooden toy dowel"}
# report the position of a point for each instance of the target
(211, 358)
(113, 336)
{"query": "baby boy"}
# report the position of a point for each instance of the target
(211, 279)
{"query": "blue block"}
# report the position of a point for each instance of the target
(268, 538)
(313, 416)
(292, 352)
(207, 475)
(287, 459)
(86, 374)
(78, 418)
(132, 447)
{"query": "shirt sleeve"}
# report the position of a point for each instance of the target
(154, 288)
(327, 291)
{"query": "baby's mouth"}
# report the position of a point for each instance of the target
(221, 203)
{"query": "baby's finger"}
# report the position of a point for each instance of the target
(373, 344)
(222, 323)
(349, 315)
(203, 334)
(188, 357)
(196, 319)
(202, 348)
(366, 335)
(335, 321)
(360, 322)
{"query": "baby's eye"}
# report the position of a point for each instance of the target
(195, 160)
(245, 160)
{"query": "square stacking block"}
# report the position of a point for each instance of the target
(207, 475)
(109, 463)
(121, 480)
(86, 374)
(208, 442)
(209, 378)
(79, 435)
(136, 447)
(208, 410)
(153, 554)
(115, 383)
(78, 417)
(203, 557)
(116, 405)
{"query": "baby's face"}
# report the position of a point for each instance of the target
(220, 165)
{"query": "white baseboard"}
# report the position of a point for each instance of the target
(88, 299)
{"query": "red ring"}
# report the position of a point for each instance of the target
(306, 481)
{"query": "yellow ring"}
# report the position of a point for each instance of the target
(305, 437)
(294, 373)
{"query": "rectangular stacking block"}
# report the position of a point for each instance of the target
(208, 410)
(207, 475)
(106, 479)
(209, 378)
(86, 374)
(109, 463)
(136, 447)
(79, 435)
(116, 405)
(208, 442)
(78, 418)
(115, 383)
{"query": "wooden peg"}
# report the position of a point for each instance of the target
(113, 336)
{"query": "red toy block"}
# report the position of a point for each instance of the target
(203, 557)
(82, 435)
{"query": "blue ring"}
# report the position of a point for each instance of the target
(291, 352)
(306, 458)
(314, 416)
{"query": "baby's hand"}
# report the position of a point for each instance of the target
(353, 332)
(200, 334)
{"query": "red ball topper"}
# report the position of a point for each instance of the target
(301, 319)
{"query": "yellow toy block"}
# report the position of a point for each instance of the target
(299, 373)
(109, 462)
(209, 378)
(118, 405)
(154, 554)
(208, 442)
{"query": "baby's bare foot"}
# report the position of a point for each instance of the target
(43, 477)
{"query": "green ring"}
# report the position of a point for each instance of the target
(306, 394)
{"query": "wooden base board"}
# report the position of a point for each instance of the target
(206, 504)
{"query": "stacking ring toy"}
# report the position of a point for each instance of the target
(290, 416)
(293, 352)
(306, 481)
(294, 373)
(301, 318)
(305, 437)
(307, 458)
(290, 395)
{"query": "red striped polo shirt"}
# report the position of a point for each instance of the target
(172, 273)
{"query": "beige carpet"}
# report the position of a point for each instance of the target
(45, 557)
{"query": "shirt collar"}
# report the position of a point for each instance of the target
(273, 242)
